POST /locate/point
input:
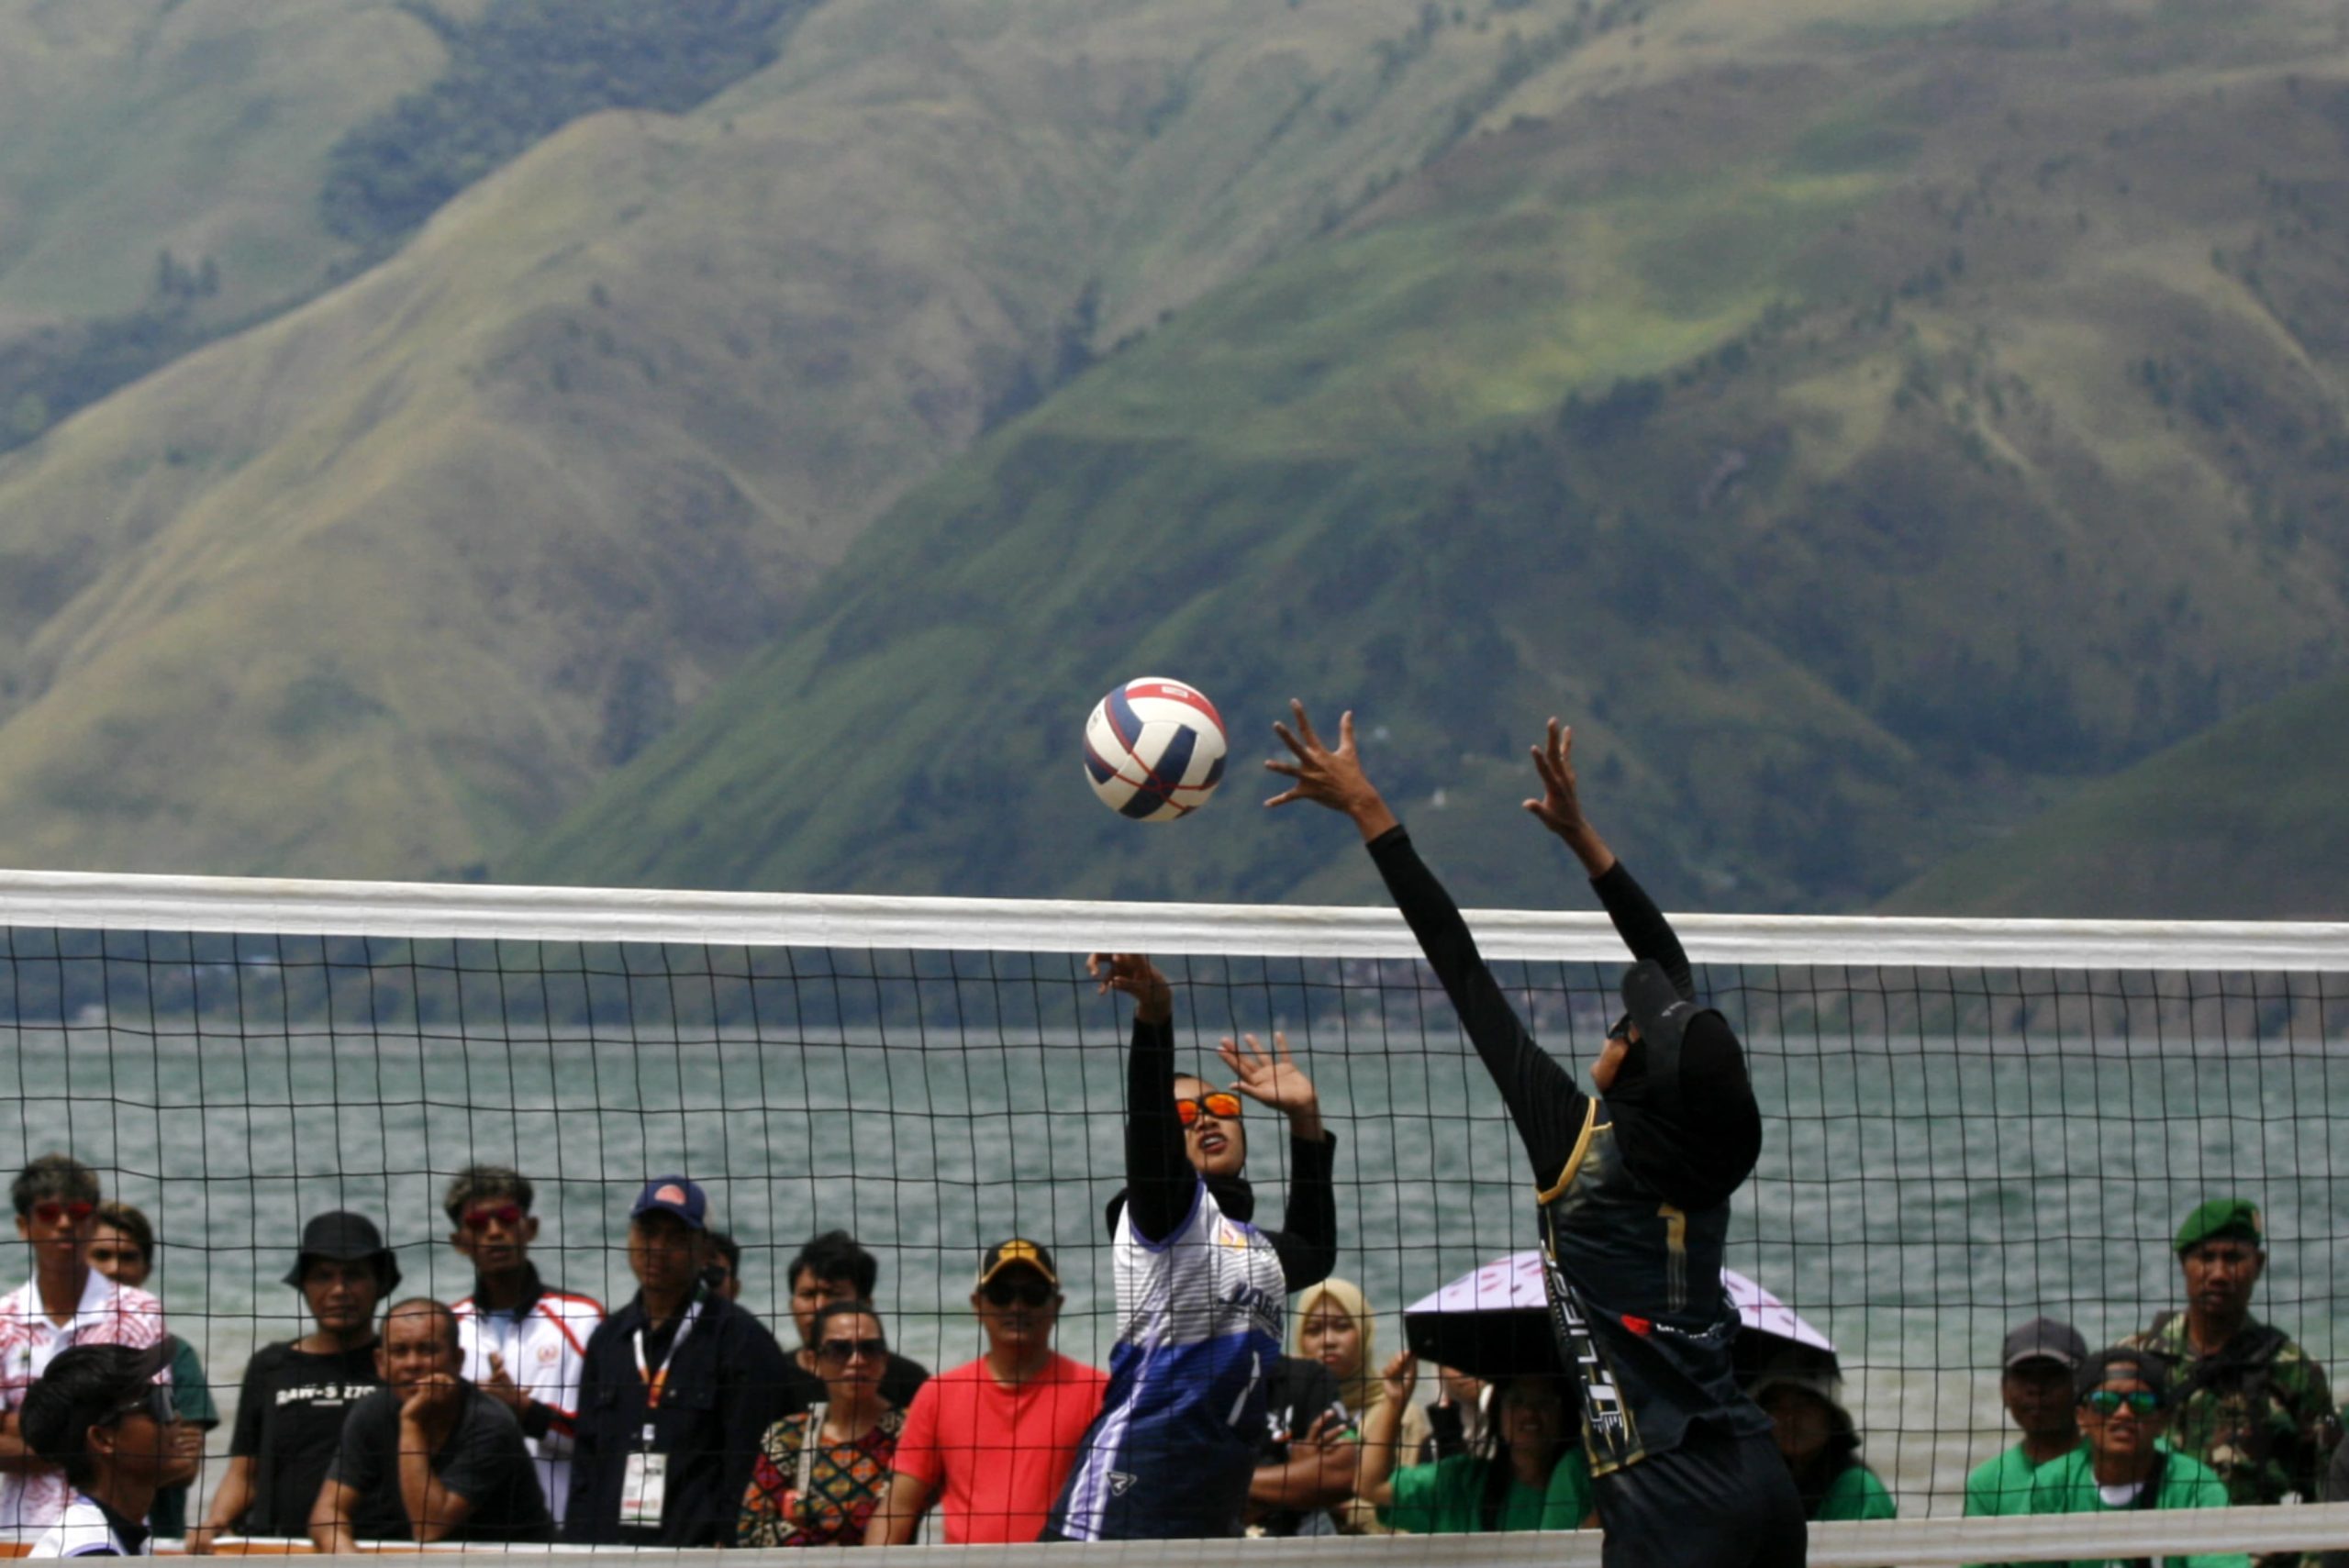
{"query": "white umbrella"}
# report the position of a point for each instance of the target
(1496, 1321)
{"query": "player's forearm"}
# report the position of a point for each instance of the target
(1160, 1182)
(1540, 1095)
(1308, 1244)
(1642, 925)
(1591, 850)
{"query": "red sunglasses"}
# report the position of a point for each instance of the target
(49, 1211)
(479, 1219)
(1217, 1103)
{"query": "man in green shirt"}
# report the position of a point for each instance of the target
(2124, 1408)
(2039, 1360)
(1536, 1478)
(2248, 1402)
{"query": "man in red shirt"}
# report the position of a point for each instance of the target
(994, 1438)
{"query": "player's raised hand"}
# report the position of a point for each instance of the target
(1137, 977)
(1273, 1078)
(1329, 777)
(1560, 808)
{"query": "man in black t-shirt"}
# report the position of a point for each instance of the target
(448, 1459)
(295, 1397)
(833, 1267)
(1304, 1465)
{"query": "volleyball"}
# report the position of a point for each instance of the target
(1154, 749)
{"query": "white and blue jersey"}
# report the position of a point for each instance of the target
(1199, 1318)
(1201, 1294)
(89, 1529)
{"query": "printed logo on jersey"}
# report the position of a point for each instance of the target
(1607, 1424)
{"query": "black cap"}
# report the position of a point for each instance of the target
(2044, 1338)
(1016, 1254)
(1654, 1004)
(345, 1238)
(2121, 1361)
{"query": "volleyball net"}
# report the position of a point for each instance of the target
(1969, 1124)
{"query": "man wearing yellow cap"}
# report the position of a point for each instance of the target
(2249, 1402)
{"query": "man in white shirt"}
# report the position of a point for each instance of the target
(65, 1302)
(524, 1340)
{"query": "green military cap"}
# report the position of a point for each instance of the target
(2231, 1218)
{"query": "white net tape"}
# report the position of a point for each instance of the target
(85, 901)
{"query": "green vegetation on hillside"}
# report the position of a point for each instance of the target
(2247, 821)
(382, 586)
(520, 72)
(1786, 424)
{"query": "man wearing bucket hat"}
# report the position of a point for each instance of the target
(2247, 1400)
(295, 1395)
(1632, 1185)
(675, 1392)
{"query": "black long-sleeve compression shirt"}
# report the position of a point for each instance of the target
(1643, 928)
(1543, 1099)
(1162, 1183)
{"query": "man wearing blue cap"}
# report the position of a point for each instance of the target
(677, 1388)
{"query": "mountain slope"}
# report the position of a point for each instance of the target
(381, 586)
(129, 127)
(2243, 822)
(1863, 424)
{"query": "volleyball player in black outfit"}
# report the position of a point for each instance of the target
(1634, 1187)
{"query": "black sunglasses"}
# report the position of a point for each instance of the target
(1027, 1293)
(842, 1350)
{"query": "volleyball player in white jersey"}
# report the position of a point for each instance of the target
(1201, 1290)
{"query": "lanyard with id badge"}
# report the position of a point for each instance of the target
(644, 1488)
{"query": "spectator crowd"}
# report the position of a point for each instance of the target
(527, 1413)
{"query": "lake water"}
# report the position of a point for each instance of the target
(1948, 1153)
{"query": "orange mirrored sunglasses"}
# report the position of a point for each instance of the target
(1221, 1105)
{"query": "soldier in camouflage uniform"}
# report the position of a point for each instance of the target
(2250, 1403)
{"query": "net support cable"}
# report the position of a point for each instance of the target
(99, 901)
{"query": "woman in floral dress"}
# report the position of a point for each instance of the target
(821, 1490)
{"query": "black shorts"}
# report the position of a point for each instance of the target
(1714, 1502)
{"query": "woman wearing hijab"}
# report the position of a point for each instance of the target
(1529, 1477)
(1201, 1289)
(1336, 1326)
(1632, 1186)
(1821, 1443)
